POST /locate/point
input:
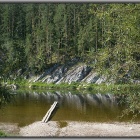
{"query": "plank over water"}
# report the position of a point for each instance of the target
(48, 114)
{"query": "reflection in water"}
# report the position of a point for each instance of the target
(30, 107)
(5, 95)
(80, 101)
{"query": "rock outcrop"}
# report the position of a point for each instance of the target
(67, 74)
(72, 72)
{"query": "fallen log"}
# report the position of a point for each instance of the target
(50, 112)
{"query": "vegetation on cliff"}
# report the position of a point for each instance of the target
(33, 37)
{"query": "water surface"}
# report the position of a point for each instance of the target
(28, 107)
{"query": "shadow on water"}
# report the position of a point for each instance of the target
(6, 96)
(29, 107)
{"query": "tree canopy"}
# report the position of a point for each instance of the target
(106, 36)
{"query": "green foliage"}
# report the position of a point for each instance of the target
(5, 95)
(131, 101)
(103, 35)
(2, 134)
(119, 89)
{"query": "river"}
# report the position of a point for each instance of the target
(27, 107)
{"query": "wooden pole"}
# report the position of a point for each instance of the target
(49, 113)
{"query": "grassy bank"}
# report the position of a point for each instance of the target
(2, 134)
(79, 86)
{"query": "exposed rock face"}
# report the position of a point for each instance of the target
(11, 86)
(55, 76)
(91, 78)
(64, 74)
(102, 79)
(76, 74)
(43, 76)
(73, 73)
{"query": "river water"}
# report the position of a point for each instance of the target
(27, 107)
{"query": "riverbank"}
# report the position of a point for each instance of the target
(80, 129)
(72, 75)
(77, 86)
(77, 129)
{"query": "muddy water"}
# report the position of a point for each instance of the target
(28, 107)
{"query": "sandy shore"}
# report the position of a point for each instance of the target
(11, 129)
(76, 129)
(85, 129)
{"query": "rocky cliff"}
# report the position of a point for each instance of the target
(68, 74)
(73, 71)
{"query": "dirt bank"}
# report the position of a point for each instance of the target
(72, 129)
(11, 129)
(80, 129)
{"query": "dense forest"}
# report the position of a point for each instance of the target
(105, 36)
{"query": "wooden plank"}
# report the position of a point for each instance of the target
(48, 114)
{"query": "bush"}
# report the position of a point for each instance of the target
(2, 134)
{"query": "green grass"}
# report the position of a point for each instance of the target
(2, 134)
(78, 86)
(112, 88)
